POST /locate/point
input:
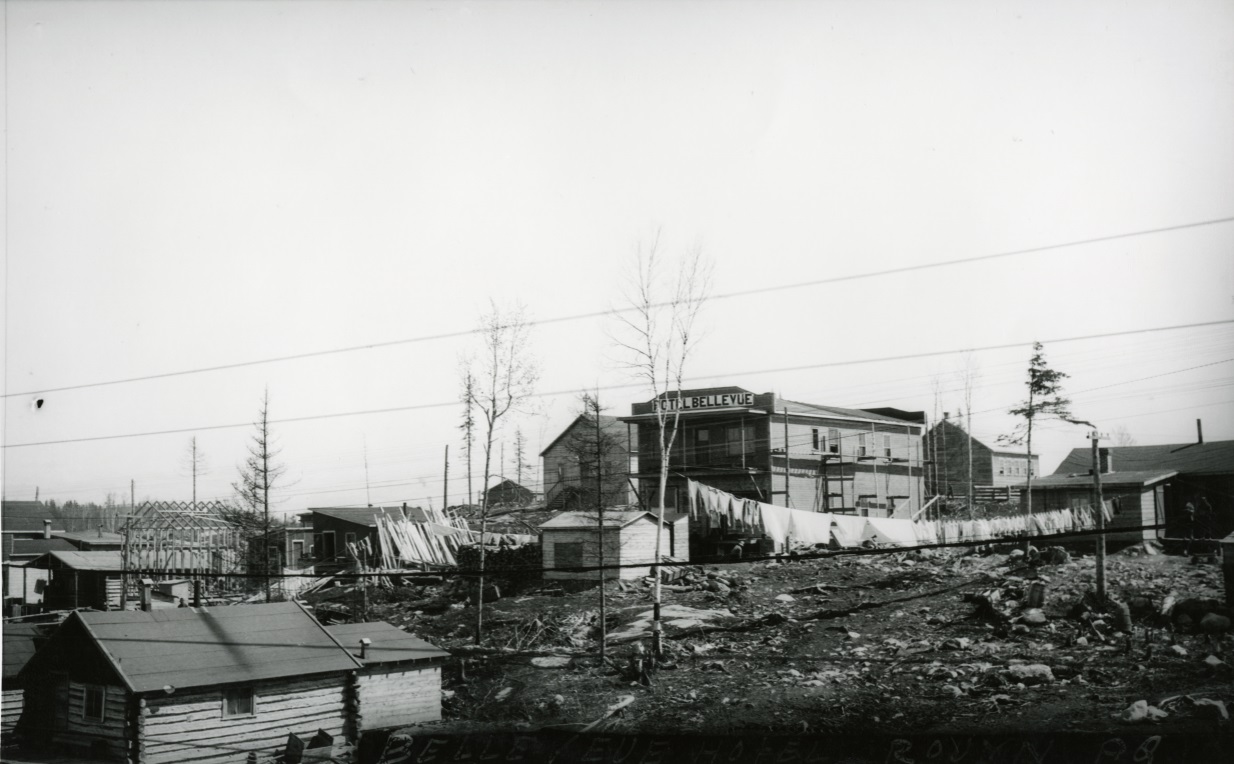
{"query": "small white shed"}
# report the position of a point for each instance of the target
(572, 540)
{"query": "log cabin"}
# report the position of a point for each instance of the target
(211, 685)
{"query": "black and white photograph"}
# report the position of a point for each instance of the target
(830, 381)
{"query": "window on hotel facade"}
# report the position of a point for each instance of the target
(702, 446)
(833, 441)
(740, 440)
(887, 446)
(94, 704)
(862, 446)
(814, 438)
(239, 701)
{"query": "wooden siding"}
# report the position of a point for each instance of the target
(632, 544)
(10, 709)
(83, 734)
(189, 727)
(397, 697)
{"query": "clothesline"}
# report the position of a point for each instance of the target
(712, 508)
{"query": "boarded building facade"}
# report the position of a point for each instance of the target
(799, 455)
(995, 470)
(211, 685)
(569, 465)
(572, 539)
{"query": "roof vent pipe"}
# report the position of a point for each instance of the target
(47, 529)
(364, 643)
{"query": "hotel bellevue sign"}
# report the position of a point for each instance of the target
(692, 402)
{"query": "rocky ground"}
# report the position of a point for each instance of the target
(905, 643)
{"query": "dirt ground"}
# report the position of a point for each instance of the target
(901, 643)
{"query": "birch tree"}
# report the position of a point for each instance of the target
(505, 377)
(1045, 402)
(657, 332)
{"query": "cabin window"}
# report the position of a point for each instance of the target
(568, 554)
(95, 706)
(833, 441)
(239, 701)
(351, 538)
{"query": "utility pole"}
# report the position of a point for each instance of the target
(1096, 437)
(368, 496)
(445, 484)
(787, 503)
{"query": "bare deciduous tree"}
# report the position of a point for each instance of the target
(260, 474)
(1044, 401)
(1122, 436)
(505, 381)
(969, 373)
(657, 333)
(596, 452)
(195, 464)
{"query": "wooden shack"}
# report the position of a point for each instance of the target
(400, 683)
(206, 685)
(572, 540)
(21, 641)
(81, 579)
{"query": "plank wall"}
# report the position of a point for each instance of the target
(10, 709)
(84, 734)
(397, 697)
(189, 726)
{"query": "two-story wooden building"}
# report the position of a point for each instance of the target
(995, 469)
(784, 452)
(588, 462)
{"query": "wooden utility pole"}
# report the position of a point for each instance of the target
(1096, 437)
(787, 502)
(445, 483)
(600, 529)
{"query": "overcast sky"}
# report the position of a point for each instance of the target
(192, 185)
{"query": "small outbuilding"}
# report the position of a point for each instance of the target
(572, 540)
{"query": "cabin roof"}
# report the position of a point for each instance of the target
(35, 547)
(104, 561)
(1211, 458)
(196, 647)
(612, 519)
(358, 515)
(21, 641)
(91, 537)
(1108, 479)
(389, 643)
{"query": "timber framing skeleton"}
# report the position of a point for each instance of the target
(164, 539)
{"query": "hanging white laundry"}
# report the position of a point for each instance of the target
(886, 531)
(810, 528)
(775, 524)
(847, 529)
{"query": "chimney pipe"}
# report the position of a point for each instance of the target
(147, 603)
(946, 415)
(1199, 432)
(47, 529)
(1105, 461)
(364, 643)
(100, 530)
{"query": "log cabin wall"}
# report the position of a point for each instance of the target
(191, 727)
(397, 697)
(107, 737)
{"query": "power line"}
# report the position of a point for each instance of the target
(601, 313)
(628, 385)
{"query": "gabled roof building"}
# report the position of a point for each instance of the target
(210, 685)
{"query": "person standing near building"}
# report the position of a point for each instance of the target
(1189, 524)
(1206, 519)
